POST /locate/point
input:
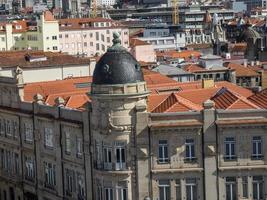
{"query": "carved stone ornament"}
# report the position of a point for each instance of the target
(112, 127)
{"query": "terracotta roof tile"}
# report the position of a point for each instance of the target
(176, 97)
(241, 71)
(12, 58)
(136, 42)
(239, 47)
(260, 99)
(179, 54)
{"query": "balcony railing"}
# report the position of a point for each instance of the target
(120, 166)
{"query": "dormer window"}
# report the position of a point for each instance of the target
(18, 27)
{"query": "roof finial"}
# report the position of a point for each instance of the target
(116, 39)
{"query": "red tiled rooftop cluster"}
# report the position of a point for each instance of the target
(166, 95)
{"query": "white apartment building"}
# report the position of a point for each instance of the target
(106, 2)
(88, 36)
(37, 35)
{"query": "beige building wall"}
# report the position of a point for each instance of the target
(144, 53)
(186, 155)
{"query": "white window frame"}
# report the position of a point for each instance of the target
(190, 146)
(67, 142)
(48, 137)
(50, 174)
(28, 131)
(257, 140)
(230, 143)
(164, 186)
(121, 160)
(163, 146)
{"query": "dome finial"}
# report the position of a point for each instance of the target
(116, 39)
(116, 43)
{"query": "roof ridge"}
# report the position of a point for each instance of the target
(165, 104)
(243, 99)
(187, 103)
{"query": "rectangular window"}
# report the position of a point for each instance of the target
(107, 158)
(191, 189)
(54, 37)
(60, 35)
(8, 128)
(230, 185)
(81, 186)
(245, 187)
(120, 158)
(229, 144)
(66, 36)
(48, 134)
(190, 150)
(108, 194)
(69, 181)
(163, 156)
(121, 192)
(99, 195)
(32, 37)
(102, 38)
(29, 168)
(85, 44)
(178, 189)
(28, 131)
(257, 147)
(55, 48)
(257, 188)
(79, 146)
(97, 46)
(68, 142)
(50, 175)
(164, 190)
(97, 36)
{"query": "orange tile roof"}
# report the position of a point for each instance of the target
(48, 16)
(12, 58)
(260, 99)
(239, 47)
(241, 71)
(58, 87)
(176, 97)
(136, 42)
(85, 23)
(178, 54)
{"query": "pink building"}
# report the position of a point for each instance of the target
(142, 50)
(89, 36)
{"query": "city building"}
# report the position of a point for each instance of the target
(211, 67)
(253, 4)
(23, 35)
(245, 76)
(142, 51)
(89, 36)
(140, 136)
(174, 72)
(45, 66)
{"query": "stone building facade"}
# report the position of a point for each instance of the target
(116, 149)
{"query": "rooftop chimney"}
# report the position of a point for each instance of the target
(207, 83)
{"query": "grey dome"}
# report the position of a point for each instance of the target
(117, 66)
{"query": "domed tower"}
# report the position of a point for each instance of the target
(117, 90)
(254, 42)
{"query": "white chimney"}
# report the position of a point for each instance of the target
(245, 63)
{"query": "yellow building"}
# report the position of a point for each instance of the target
(37, 35)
